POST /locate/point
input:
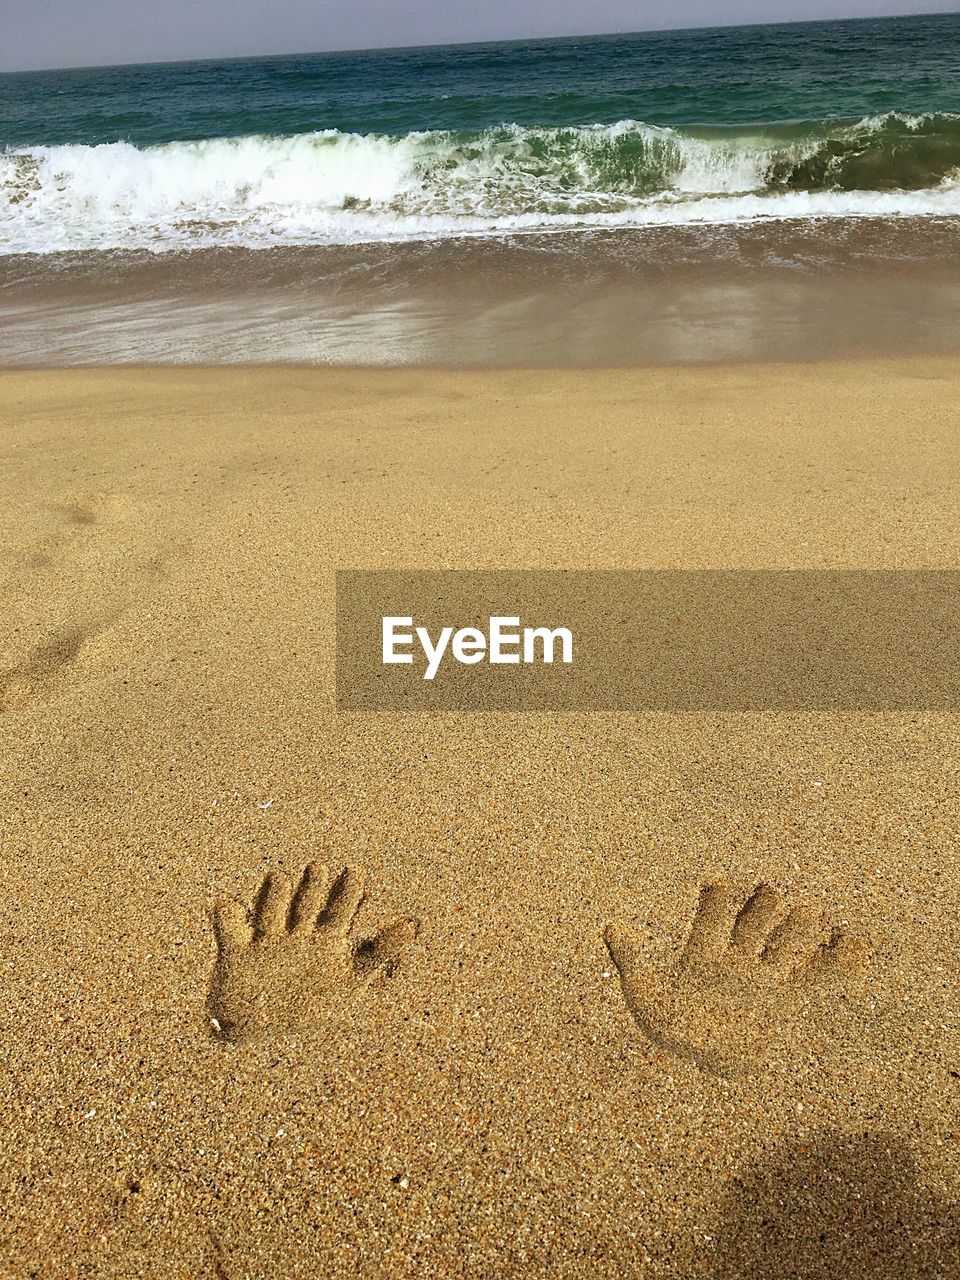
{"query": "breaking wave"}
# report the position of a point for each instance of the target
(332, 187)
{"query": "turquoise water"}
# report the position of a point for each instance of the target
(714, 126)
(732, 76)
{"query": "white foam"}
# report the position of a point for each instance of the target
(332, 187)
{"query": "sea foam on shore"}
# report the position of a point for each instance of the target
(338, 187)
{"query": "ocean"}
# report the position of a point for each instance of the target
(627, 165)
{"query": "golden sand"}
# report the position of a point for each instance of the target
(486, 1087)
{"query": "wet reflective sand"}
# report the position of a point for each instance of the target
(789, 291)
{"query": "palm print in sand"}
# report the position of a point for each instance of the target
(745, 973)
(295, 959)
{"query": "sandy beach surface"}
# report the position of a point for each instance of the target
(526, 1051)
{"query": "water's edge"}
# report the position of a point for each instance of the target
(786, 291)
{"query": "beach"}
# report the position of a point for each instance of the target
(782, 290)
(783, 192)
(494, 1092)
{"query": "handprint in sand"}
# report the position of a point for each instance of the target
(745, 973)
(295, 959)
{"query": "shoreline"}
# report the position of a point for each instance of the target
(687, 296)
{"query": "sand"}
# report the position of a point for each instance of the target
(766, 290)
(521, 1074)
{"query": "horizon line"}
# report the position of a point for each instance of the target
(466, 44)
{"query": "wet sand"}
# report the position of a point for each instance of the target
(541, 1059)
(793, 290)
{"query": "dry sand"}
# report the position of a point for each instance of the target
(490, 1099)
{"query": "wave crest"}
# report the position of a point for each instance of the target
(340, 187)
